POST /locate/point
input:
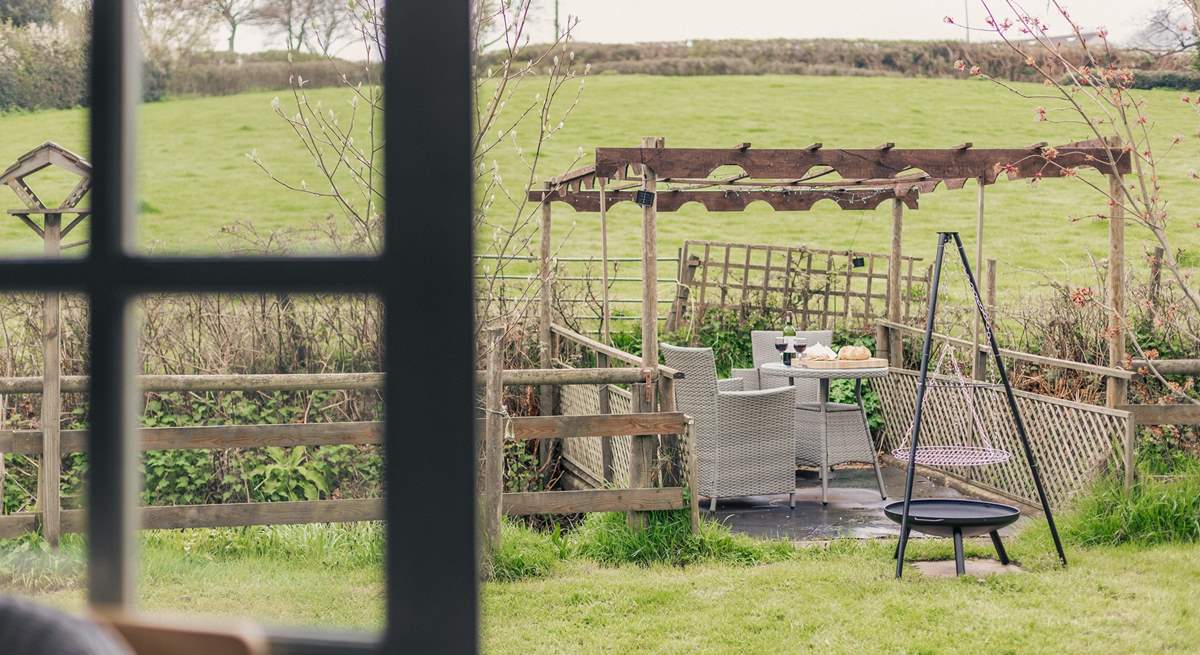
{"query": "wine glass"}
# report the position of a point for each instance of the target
(800, 344)
(781, 345)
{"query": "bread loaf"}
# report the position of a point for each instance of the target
(853, 353)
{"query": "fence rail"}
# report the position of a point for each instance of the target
(32, 442)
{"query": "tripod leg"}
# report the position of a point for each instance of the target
(926, 349)
(999, 547)
(1012, 402)
(960, 564)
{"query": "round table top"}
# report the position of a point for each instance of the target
(778, 369)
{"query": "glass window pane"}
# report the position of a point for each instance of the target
(30, 564)
(245, 477)
(261, 130)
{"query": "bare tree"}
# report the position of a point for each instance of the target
(1172, 28)
(172, 28)
(235, 13)
(288, 18)
(1095, 95)
(522, 90)
(329, 23)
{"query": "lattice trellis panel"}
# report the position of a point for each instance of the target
(583, 454)
(822, 288)
(1073, 442)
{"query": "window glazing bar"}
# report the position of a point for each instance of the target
(429, 341)
(112, 473)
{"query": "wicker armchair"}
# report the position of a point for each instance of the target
(743, 439)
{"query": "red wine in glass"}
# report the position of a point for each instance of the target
(781, 345)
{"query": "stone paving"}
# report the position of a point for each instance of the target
(854, 509)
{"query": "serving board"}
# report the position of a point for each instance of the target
(870, 362)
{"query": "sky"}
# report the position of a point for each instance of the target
(623, 21)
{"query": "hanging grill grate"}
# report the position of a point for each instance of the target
(982, 453)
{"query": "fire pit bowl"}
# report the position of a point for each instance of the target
(957, 518)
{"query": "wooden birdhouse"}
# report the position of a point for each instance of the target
(17, 177)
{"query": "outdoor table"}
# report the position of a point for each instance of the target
(824, 375)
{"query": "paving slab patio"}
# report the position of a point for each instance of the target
(854, 510)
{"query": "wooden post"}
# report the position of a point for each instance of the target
(667, 451)
(895, 346)
(1130, 446)
(3, 423)
(1155, 282)
(50, 473)
(640, 463)
(606, 451)
(693, 479)
(605, 335)
(1116, 289)
(687, 274)
(990, 289)
(978, 361)
(650, 268)
(883, 338)
(545, 352)
(491, 451)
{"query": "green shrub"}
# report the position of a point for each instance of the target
(1158, 509)
(1188, 80)
(526, 553)
(41, 67)
(668, 539)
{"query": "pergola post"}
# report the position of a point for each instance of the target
(641, 458)
(650, 262)
(545, 350)
(895, 268)
(978, 359)
(1116, 388)
(605, 335)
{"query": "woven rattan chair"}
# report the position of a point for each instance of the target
(743, 439)
(762, 345)
(849, 437)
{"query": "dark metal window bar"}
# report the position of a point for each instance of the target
(923, 385)
(431, 578)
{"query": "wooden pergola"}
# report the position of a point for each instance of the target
(666, 179)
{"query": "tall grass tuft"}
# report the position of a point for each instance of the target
(667, 539)
(28, 564)
(527, 553)
(328, 545)
(1158, 509)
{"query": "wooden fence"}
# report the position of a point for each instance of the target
(1073, 442)
(821, 288)
(643, 497)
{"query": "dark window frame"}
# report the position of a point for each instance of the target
(432, 588)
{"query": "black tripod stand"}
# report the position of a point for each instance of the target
(943, 238)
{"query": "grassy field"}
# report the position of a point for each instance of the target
(836, 600)
(195, 178)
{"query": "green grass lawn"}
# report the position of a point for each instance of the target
(839, 599)
(194, 176)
